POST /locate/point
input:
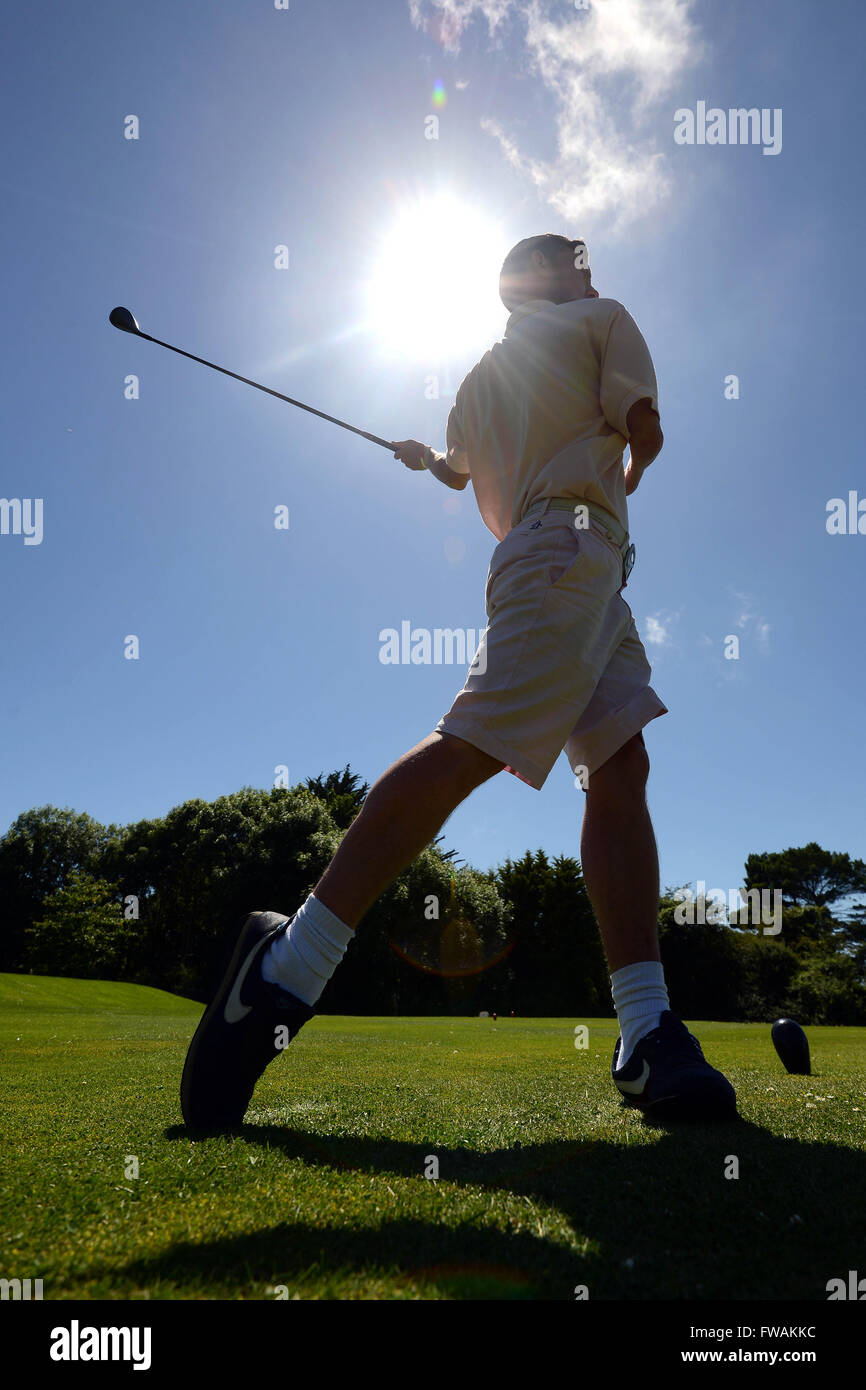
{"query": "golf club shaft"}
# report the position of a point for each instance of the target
(374, 438)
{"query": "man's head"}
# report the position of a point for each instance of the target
(546, 267)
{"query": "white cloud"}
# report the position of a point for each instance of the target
(656, 632)
(448, 18)
(751, 622)
(609, 69)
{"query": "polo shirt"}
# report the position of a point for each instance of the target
(543, 414)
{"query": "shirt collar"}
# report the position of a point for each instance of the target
(531, 306)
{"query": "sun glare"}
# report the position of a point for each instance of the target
(433, 292)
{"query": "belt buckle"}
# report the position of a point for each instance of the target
(628, 563)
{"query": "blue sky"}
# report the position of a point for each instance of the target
(309, 128)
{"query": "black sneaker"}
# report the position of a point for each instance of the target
(245, 1028)
(668, 1077)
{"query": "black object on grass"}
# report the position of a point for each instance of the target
(792, 1046)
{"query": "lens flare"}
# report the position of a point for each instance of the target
(453, 949)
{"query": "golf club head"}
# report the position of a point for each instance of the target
(121, 318)
(792, 1046)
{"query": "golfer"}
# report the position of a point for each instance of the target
(538, 426)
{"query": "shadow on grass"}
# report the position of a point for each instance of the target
(457, 1261)
(656, 1220)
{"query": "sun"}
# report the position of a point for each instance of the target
(433, 291)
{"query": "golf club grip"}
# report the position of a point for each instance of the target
(374, 438)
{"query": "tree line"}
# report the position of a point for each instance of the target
(159, 901)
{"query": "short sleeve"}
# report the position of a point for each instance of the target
(455, 447)
(627, 372)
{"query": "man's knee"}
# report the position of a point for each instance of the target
(625, 773)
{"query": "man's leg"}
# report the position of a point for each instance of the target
(278, 971)
(405, 809)
(402, 814)
(621, 871)
(658, 1065)
(619, 858)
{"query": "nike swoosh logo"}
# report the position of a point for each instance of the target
(234, 1010)
(636, 1088)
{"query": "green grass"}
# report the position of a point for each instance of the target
(545, 1181)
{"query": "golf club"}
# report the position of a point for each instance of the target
(124, 320)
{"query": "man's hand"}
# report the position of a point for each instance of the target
(410, 452)
(633, 475)
(417, 457)
(645, 440)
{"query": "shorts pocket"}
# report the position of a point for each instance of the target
(508, 552)
(540, 558)
(568, 552)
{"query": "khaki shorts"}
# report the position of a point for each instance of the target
(560, 664)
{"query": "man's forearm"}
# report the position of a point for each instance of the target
(644, 434)
(645, 448)
(436, 464)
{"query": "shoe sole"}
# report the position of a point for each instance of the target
(683, 1109)
(263, 924)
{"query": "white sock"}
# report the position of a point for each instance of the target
(304, 957)
(640, 997)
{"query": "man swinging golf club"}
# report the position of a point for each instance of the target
(539, 426)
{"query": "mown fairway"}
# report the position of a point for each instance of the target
(545, 1182)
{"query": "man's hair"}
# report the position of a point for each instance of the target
(515, 278)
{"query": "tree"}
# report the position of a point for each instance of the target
(808, 876)
(342, 792)
(433, 943)
(855, 932)
(556, 962)
(705, 971)
(443, 938)
(38, 855)
(811, 879)
(199, 870)
(769, 967)
(828, 991)
(83, 934)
